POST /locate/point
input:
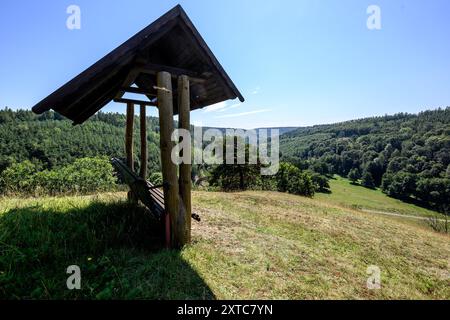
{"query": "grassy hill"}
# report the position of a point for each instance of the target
(353, 196)
(249, 245)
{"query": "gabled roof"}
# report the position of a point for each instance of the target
(173, 41)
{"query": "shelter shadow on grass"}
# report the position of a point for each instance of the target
(116, 245)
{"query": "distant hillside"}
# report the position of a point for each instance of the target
(407, 155)
(282, 130)
(51, 141)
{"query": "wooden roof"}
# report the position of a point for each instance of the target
(172, 44)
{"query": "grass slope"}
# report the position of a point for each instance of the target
(357, 197)
(249, 245)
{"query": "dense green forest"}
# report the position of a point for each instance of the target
(50, 141)
(46, 154)
(406, 155)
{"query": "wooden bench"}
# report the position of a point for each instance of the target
(150, 195)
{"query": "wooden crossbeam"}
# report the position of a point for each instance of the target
(153, 69)
(138, 90)
(144, 103)
(129, 80)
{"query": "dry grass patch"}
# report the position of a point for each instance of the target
(249, 245)
(284, 246)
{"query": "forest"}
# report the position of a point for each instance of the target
(406, 155)
(50, 141)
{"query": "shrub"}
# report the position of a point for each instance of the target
(18, 178)
(400, 185)
(367, 180)
(85, 175)
(293, 180)
(230, 177)
(354, 175)
(156, 178)
(320, 182)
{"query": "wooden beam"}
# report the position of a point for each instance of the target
(129, 142)
(139, 90)
(133, 101)
(169, 169)
(143, 120)
(151, 68)
(100, 102)
(129, 135)
(184, 109)
(129, 80)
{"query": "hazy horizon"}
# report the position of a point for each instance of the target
(268, 127)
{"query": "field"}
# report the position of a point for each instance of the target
(249, 245)
(356, 197)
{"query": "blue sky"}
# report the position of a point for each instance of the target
(299, 62)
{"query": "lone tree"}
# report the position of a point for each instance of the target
(354, 175)
(367, 180)
(230, 177)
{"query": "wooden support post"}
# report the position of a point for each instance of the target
(169, 169)
(129, 143)
(143, 165)
(184, 110)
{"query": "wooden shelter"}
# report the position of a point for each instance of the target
(173, 67)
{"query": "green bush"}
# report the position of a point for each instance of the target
(320, 182)
(354, 175)
(18, 178)
(400, 185)
(231, 177)
(291, 179)
(367, 180)
(85, 175)
(156, 178)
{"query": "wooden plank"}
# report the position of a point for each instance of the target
(169, 170)
(151, 198)
(129, 135)
(139, 91)
(99, 102)
(151, 68)
(129, 141)
(184, 109)
(106, 67)
(129, 80)
(143, 125)
(133, 101)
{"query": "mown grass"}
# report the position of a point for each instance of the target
(276, 245)
(357, 197)
(116, 245)
(249, 245)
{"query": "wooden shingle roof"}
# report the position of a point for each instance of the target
(171, 41)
